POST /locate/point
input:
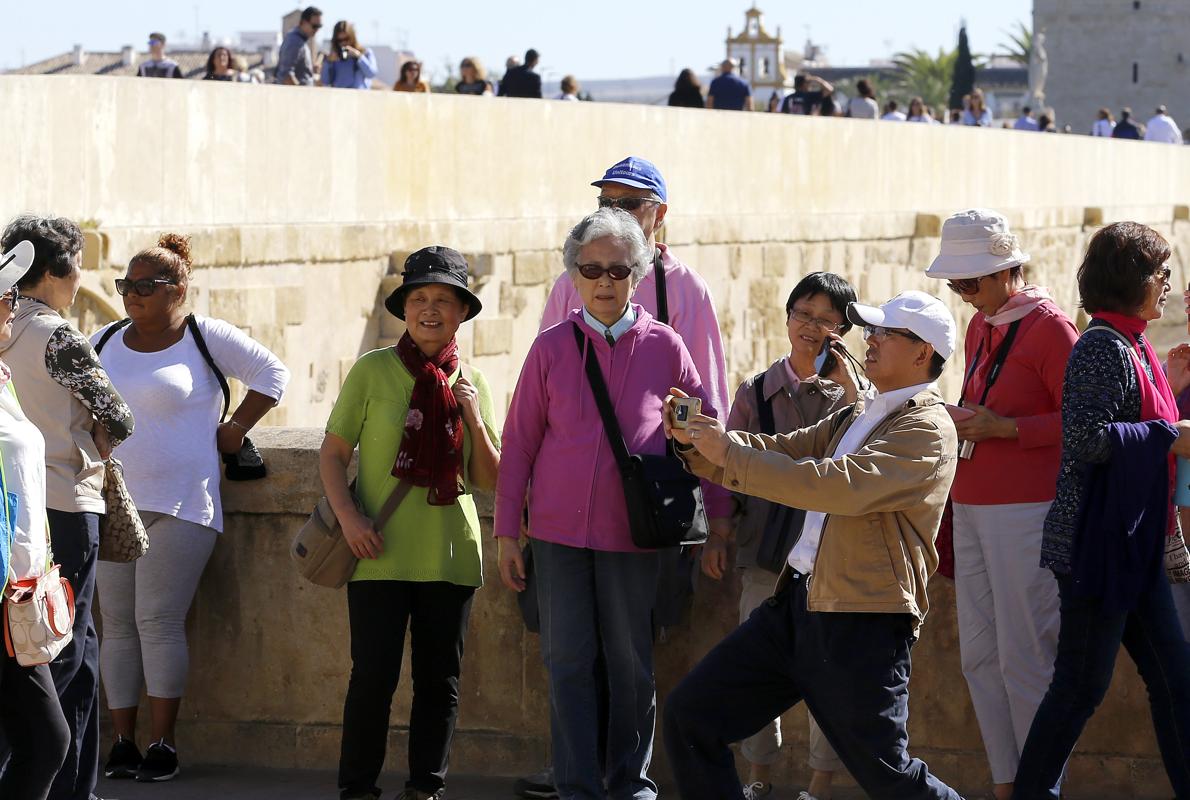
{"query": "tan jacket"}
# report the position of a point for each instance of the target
(883, 503)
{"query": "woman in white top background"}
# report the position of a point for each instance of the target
(31, 718)
(1104, 124)
(864, 106)
(978, 114)
(172, 468)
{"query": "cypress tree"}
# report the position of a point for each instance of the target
(963, 80)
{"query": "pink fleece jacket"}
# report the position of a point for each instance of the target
(554, 448)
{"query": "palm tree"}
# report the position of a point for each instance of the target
(921, 74)
(1019, 46)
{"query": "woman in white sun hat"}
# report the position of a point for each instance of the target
(1016, 350)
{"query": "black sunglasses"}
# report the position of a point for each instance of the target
(594, 272)
(143, 287)
(626, 203)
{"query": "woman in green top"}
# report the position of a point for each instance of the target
(416, 419)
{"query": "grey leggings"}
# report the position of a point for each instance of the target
(144, 606)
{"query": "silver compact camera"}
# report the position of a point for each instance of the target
(966, 449)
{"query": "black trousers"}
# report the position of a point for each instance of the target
(75, 538)
(435, 614)
(852, 670)
(32, 722)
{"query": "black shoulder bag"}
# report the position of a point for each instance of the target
(665, 504)
(662, 297)
(247, 464)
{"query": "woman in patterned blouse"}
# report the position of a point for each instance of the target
(59, 379)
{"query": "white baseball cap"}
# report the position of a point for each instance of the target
(924, 315)
(14, 264)
(976, 242)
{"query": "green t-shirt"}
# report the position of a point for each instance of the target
(421, 542)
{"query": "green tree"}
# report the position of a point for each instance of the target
(923, 75)
(963, 76)
(1019, 46)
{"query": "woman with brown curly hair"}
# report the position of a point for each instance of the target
(171, 466)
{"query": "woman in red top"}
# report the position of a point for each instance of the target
(1016, 350)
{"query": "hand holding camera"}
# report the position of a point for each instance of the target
(685, 424)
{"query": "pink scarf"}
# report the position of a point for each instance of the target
(1019, 306)
(1156, 396)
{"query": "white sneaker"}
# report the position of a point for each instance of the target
(757, 790)
(805, 796)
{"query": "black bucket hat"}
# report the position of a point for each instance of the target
(435, 264)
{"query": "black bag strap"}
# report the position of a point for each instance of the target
(603, 401)
(839, 420)
(662, 297)
(110, 332)
(997, 364)
(764, 406)
(201, 343)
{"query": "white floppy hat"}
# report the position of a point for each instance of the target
(923, 314)
(14, 264)
(976, 242)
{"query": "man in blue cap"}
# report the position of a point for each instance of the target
(678, 296)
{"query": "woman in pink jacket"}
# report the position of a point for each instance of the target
(595, 588)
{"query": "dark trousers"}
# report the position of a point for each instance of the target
(852, 670)
(32, 722)
(380, 611)
(75, 538)
(597, 644)
(1088, 641)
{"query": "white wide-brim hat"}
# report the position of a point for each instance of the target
(14, 264)
(923, 314)
(976, 242)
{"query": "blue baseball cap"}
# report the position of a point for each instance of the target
(637, 173)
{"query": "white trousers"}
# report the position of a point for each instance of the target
(1008, 622)
(763, 747)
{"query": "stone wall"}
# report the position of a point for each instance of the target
(270, 663)
(299, 224)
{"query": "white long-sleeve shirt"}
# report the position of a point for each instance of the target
(1162, 128)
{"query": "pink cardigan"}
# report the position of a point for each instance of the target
(554, 448)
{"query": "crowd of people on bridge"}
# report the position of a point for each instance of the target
(836, 484)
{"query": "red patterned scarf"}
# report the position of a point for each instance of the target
(431, 452)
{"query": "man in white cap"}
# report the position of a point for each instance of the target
(873, 479)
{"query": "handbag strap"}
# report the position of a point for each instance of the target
(764, 406)
(111, 331)
(603, 402)
(662, 296)
(997, 365)
(201, 343)
(390, 505)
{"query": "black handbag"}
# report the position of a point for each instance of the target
(247, 464)
(665, 504)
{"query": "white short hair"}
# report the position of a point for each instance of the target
(619, 225)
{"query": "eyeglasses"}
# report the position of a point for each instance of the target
(626, 203)
(143, 287)
(316, 25)
(466, 65)
(966, 285)
(11, 300)
(594, 272)
(880, 332)
(1164, 274)
(823, 324)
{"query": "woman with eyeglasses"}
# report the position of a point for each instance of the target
(797, 391)
(172, 468)
(1111, 537)
(1016, 349)
(410, 79)
(473, 78)
(348, 65)
(67, 394)
(595, 588)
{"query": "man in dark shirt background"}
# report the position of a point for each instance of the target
(729, 92)
(1125, 128)
(295, 62)
(522, 81)
(158, 66)
(803, 101)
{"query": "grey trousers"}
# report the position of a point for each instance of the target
(144, 606)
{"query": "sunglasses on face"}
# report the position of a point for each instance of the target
(881, 333)
(594, 272)
(1164, 275)
(823, 324)
(626, 203)
(143, 287)
(965, 286)
(10, 299)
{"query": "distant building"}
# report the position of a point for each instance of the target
(192, 62)
(761, 56)
(1115, 53)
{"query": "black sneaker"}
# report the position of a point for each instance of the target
(124, 759)
(539, 786)
(160, 764)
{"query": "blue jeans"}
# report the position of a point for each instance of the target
(1088, 642)
(595, 603)
(852, 670)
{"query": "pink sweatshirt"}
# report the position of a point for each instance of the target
(691, 314)
(554, 448)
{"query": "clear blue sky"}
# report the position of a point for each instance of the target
(608, 39)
